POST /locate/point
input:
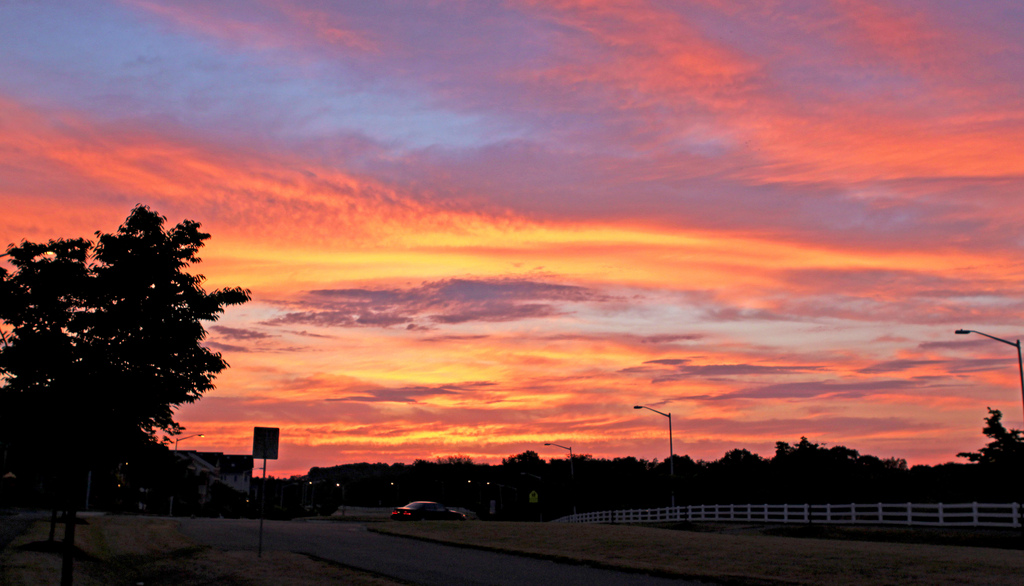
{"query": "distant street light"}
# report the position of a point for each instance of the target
(572, 474)
(170, 510)
(1020, 361)
(671, 453)
(181, 439)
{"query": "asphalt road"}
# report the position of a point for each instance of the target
(406, 559)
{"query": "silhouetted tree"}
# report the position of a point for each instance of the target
(457, 460)
(102, 349)
(103, 342)
(1006, 447)
(41, 306)
(527, 459)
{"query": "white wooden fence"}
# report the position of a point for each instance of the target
(908, 514)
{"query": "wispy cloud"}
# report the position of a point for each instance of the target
(411, 394)
(674, 369)
(452, 301)
(809, 390)
(240, 333)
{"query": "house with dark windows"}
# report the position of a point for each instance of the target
(215, 476)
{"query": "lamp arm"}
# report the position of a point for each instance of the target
(1017, 344)
(656, 411)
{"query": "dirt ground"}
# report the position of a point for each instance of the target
(143, 551)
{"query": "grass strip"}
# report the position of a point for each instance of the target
(727, 558)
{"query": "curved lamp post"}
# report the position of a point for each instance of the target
(671, 452)
(572, 474)
(181, 439)
(1020, 361)
(170, 510)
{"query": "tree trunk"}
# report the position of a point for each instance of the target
(53, 523)
(70, 519)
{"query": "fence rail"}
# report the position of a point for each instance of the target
(1005, 515)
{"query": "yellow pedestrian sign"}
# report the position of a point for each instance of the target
(534, 497)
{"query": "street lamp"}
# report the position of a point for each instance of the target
(671, 453)
(572, 474)
(170, 509)
(181, 439)
(1020, 361)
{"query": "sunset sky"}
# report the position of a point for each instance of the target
(476, 227)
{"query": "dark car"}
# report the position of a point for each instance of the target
(420, 510)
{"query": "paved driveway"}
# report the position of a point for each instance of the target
(406, 559)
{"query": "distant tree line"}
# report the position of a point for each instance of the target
(804, 472)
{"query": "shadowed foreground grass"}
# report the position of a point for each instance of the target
(128, 550)
(149, 551)
(733, 558)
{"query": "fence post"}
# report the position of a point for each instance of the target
(910, 514)
(942, 520)
(853, 513)
(807, 513)
(880, 512)
(828, 512)
(974, 511)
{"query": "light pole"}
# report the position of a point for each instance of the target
(170, 510)
(671, 454)
(572, 474)
(181, 439)
(1020, 361)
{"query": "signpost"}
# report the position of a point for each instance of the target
(264, 445)
(535, 500)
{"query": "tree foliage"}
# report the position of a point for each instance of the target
(1006, 447)
(102, 341)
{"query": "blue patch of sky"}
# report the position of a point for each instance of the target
(99, 60)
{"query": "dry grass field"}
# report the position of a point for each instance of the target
(734, 558)
(150, 552)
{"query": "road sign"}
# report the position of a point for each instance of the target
(264, 442)
(534, 497)
(264, 447)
